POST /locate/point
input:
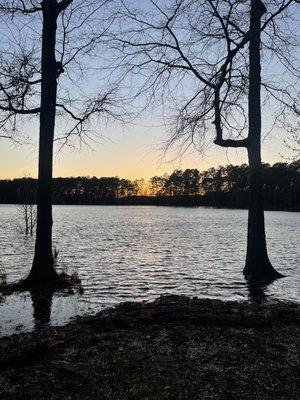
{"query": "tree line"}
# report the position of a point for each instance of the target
(224, 186)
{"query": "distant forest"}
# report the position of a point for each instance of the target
(225, 186)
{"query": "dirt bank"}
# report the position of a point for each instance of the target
(172, 348)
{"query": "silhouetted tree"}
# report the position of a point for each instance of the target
(195, 54)
(157, 185)
(191, 179)
(23, 71)
(175, 183)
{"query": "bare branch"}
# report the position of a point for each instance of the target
(63, 5)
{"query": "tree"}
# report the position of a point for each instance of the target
(203, 58)
(157, 185)
(175, 183)
(236, 177)
(191, 179)
(257, 265)
(27, 208)
(23, 71)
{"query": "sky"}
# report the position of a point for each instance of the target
(132, 152)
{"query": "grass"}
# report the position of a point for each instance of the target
(172, 348)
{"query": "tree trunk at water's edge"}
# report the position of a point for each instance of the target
(258, 266)
(43, 270)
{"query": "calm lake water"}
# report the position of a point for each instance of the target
(138, 252)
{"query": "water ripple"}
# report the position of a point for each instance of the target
(126, 253)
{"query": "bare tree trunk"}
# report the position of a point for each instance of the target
(43, 267)
(258, 266)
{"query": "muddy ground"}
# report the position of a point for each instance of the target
(172, 348)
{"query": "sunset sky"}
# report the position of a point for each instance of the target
(131, 152)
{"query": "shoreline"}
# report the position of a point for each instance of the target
(173, 203)
(174, 347)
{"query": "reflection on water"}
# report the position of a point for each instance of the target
(26, 311)
(41, 303)
(138, 253)
(257, 292)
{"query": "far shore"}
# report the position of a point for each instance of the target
(166, 201)
(172, 348)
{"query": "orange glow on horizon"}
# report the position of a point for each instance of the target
(130, 156)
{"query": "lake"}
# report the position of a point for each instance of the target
(125, 253)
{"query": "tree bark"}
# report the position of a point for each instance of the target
(258, 266)
(43, 270)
